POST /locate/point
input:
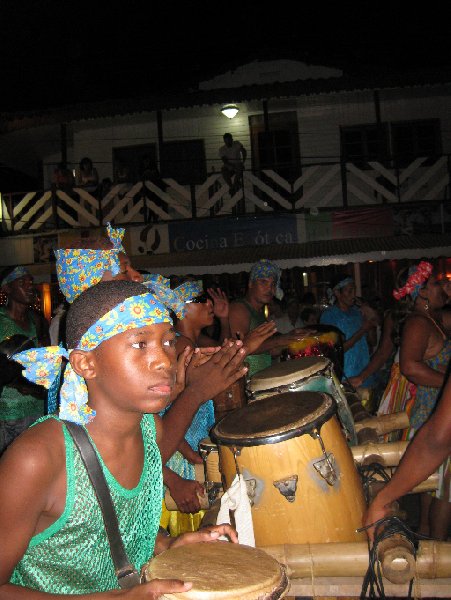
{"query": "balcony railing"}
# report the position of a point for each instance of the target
(331, 185)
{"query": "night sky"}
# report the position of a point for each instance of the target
(56, 53)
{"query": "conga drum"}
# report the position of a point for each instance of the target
(306, 374)
(323, 340)
(230, 399)
(293, 454)
(220, 570)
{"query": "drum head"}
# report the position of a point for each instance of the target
(274, 419)
(330, 340)
(285, 373)
(220, 570)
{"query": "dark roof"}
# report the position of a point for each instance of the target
(191, 98)
(307, 254)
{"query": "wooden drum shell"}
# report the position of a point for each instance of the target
(320, 512)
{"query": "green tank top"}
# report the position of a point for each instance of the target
(73, 556)
(256, 362)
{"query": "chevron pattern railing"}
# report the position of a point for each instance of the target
(320, 186)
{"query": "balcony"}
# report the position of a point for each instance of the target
(318, 187)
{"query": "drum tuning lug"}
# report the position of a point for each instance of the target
(251, 486)
(287, 487)
(214, 490)
(326, 468)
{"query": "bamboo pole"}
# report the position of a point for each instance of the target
(351, 559)
(388, 454)
(385, 423)
(428, 485)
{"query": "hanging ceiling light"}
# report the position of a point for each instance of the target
(230, 110)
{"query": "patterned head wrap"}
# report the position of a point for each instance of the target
(338, 286)
(265, 269)
(187, 291)
(42, 365)
(16, 273)
(80, 268)
(161, 287)
(418, 276)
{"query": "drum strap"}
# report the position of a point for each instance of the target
(126, 574)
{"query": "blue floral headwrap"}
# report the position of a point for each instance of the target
(80, 268)
(161, 287)
(16, 273)
(265, 269)
(42, 365)
(338, 286)
(187, 291)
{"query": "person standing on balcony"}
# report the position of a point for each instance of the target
(233, 155)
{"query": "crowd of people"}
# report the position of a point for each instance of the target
(137, 360)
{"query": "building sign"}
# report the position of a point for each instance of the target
(232, 233)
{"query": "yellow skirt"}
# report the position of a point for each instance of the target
(177, 522)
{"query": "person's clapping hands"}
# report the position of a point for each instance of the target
(220, 371)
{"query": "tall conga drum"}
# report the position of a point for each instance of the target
(294, 457)
(321, 340)
(306, 374)
(220, 570)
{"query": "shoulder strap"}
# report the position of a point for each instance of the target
(126, 574)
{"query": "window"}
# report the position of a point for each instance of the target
(184, 161)
(413, 139)
(129, 162)
(278, 147)
(363, 143)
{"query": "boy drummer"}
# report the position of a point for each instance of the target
(101, 259)
(121, 368)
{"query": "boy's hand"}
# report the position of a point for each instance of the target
(209, 534)
(185, 495)
(201, 356)
(220, 372)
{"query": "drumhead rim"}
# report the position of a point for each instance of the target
(223, 439)
(256, 383)
(273, 585)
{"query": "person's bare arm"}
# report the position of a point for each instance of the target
(366, 326)
(191, 455)
(381, 355)
(414, 344)
(28, 470)
(429, 448)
